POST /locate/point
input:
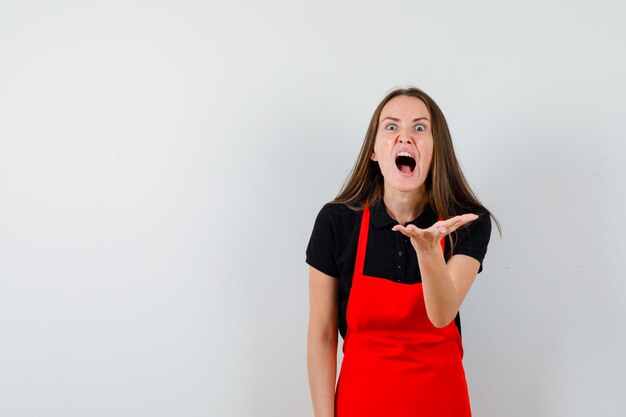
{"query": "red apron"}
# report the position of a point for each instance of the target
(396, 363)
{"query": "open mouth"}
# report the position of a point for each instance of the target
(406, 164)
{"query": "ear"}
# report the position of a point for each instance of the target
(373, 157)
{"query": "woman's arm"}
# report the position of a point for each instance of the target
(445, 285)
(322, 342)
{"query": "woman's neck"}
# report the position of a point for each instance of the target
(405, 206)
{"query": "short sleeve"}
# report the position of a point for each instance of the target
(321, 248)
(473, 239)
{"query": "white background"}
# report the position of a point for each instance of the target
(162, 163)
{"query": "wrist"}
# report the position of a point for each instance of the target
(428, 251)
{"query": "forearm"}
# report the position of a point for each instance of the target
(322, 372)
(440, 294)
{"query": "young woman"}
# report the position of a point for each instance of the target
(391, 259)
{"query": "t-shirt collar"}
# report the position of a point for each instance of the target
(380, 218)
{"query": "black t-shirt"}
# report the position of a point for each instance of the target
(390, 255)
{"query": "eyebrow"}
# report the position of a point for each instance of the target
(397, 120)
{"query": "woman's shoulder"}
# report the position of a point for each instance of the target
(339, 210)
(334, 227)
(339, 217)
(480, 226)
(473, 238)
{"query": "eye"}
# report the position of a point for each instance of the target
(422, 128)
(389, 125)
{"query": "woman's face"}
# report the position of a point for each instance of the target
(403, 145)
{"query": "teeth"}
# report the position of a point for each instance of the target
(405, 154)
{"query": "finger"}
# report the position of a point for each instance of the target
(401, 229)
(447, 226)
(414, 229)
(453, 224)
(460, 221)
(468, 217)
(438, 228)
(471, 217)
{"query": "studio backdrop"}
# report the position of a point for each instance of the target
(162, 164)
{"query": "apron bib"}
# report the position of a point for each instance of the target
(396, 363)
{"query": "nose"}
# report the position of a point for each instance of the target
(405, 137)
